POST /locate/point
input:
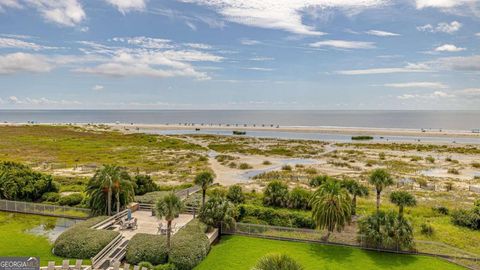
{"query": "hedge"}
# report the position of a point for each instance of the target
(71, 199)
(147, 248)
(277, 217)
(189, 246)
(82, 242)
(151, 197)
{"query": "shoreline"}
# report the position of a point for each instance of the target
(296, 129)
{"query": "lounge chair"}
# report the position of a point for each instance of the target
(66, 264)
(126, 266)
(136, 267)
(51, 265)
(78, 264)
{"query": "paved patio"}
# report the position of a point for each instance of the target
(146, 223)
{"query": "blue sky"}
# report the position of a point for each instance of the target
(240, 54)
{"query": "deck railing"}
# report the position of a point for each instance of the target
(44, 209)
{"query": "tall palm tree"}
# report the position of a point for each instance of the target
(381, 179)
(331, 207)
(204, 179)
(356, 190)
(402, 199)
(169, 208)
(100, 189)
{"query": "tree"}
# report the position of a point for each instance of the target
(299, 198)
(331, 207)
(169, 207)
(204, 179)
(235, 194)
(386, 230)
(381, 179)
(106, 181)
(276, 194)
(218, 211)
(144, 184)
(356, 190)
(277, 262)
(402, 199)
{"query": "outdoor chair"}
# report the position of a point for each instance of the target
(126, 266)
(136, 267)
(144, 268)
(51, 265)
(116, 265)
(66, 264)
(78, 264)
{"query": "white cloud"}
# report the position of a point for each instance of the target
(146, 42)
(417, 85)
(409, 68)
(258, 58)
(24, 62)
(379, 33)
(39, 101)
(469, 93)
(434, 95)
(443, 4)
(282, 14)
(259, 69)
(459, 63)
(9, 4)
(442, 27)
(98, 87)
(249, 42)
(200, 46)
(477, 34)
(343, 44)
(65, 12)
(449, 48)
(125, 6)
(20, 44)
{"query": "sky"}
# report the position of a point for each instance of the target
(240, 54)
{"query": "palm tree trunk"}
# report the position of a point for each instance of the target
(109, 201)
(204, 192)
(354, 205)
(118, 201)
(169, 231)
(378, 200)
(400, 211)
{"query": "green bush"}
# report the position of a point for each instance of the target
(427, 229)
(71, 200)
(276, 194)
(430, 159)
(189, 246)
(467, 218)
(167, 266)
(144, 184)
(277, 217)
(318, 180)
(146, 265)
(147, 247)
(151, 197)
(82, 242)
(441, 210)
(286, 168)
(299, 198)
(235, 194)
(50, 197)
(244, 166)
(19, 182)
(277, 262)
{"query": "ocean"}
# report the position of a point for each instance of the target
(451, 120)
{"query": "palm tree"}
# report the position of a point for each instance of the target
(204, 179)
(169, 207)
(381, 179)
(100, 189)
(356, 190)
(331, 207)
(402, 199)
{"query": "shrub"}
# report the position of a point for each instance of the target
(146, 265)
(441, 210)
(71, 200)
(427, 229)
(467, 218)
(277, 217)
(386, 230)
(276, 194)
(286, 168)
(449, 186)
(453, 171)
(430, 159)
(299, 198)
(167, 266)
(475, 165)
(144, 184)
(235, 194)
(147, 248)
(277, 262)
(266, 162)
(19, 182)
(50, 197)
(244, 166)
(151, 197)
(189, 246)
(381, 155)
(82, 242)
(318, 180)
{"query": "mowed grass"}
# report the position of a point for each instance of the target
(16, 240)
(242, 253)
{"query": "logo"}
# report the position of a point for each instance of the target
(19, 263)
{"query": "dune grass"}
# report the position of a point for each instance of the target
(16, 240)
(242, 253)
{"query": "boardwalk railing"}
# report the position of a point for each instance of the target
(44, 209)
(110, 221)
(429, 248)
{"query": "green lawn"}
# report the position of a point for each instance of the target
(239, 252)
(16, 240)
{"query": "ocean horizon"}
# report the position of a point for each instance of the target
(408, 119)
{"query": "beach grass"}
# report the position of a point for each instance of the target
(242, 253)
